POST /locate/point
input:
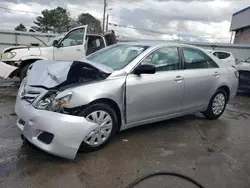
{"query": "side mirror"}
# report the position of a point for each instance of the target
(55, 43)
(145, 69)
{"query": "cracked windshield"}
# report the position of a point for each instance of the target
(124, 93)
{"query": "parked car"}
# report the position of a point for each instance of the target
(76, 44)
(244, 74)
(226, 57)
(66, 106)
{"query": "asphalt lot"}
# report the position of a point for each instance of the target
(215, 153)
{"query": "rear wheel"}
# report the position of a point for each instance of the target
(216, 105)
(106, 118)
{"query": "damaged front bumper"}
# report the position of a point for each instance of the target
(56, 133)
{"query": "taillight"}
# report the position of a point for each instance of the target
(236, 73)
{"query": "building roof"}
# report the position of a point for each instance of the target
(240, 19)
(240, 11)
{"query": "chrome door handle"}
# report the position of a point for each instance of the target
(179, 78)
(216, 74)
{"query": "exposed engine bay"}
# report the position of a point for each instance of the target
(55, 77)
(80, 73)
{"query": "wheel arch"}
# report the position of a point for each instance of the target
(25, 62)
(111, 103)
(29, 61)
(226, 89)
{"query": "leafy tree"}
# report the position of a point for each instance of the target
(73, 23)
(94, 25)
(31, 30)
(20, 27)
(58, 20)
(55, 20)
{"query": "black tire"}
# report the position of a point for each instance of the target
(104, 107)
(209, 114)
(23, 72)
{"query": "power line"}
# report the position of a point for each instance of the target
(179, 35)
(16, 10)
(118, 25)
(9, 9)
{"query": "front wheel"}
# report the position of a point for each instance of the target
(216, 105)
(105, 116)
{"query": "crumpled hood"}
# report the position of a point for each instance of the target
(49, 74)
(13, 48)
(243, 66)
(35, 51)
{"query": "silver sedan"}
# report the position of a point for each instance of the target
(67, 106)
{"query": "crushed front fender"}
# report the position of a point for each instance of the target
(6, 70)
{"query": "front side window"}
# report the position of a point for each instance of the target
(50, 43)
(117, 56)
(164, 59)
(196, 59)
(74, 38)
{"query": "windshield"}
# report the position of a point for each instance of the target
(118, 56)
(50, 43)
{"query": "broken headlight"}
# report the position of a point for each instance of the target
(51, 103)
(8, 55)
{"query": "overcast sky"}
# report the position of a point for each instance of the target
(202, 20)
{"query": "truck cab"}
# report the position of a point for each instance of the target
(74, 45)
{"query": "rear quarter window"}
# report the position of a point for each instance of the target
(221, 55)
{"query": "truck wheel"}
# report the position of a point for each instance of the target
(106, 117)
(23, 72)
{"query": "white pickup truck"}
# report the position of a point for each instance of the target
(76, 44)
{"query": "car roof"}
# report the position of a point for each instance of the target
(159, 44)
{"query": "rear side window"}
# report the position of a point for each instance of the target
(221, 55)
(196, 59)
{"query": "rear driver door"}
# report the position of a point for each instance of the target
(201, 75)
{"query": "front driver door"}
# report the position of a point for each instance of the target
(156, 95)
(72, 46)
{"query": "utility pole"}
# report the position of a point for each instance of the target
(179, 37)
(107, 22)
(104, 15)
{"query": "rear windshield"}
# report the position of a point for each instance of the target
(117, 56)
